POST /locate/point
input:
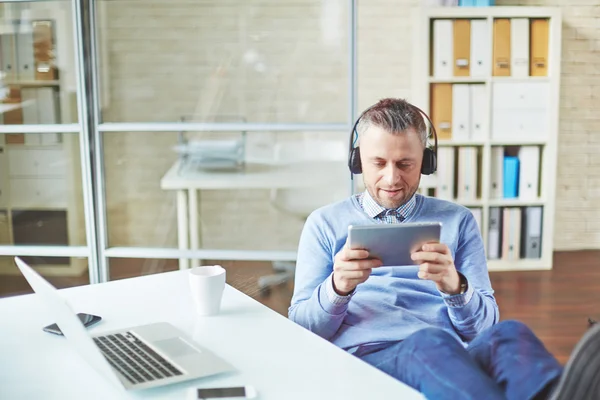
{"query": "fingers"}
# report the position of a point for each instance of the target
(436, 248)
(433, 268)
(430, 276)
(358, 276)
(357, 265)
(428, 256)
(353, 254)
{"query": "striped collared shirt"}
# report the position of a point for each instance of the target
(386, 215)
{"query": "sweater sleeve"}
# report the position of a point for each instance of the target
(476, 309)
(313, 304)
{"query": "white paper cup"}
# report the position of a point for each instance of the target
(206, 285)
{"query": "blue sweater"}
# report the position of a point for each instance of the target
(393, 303)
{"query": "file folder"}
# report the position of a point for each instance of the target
(501, 56)
(511, 177)
(480, 48)
(43, 34)
(462, 47)
(511, 233)
(25, 63)
(445, 173)
(529, 158)
(494, 233)
(497, 169)
(9, 55)
(519, 47)
(539, 47)
(467, 173)
(441, 109)
(461, 116)
(442, 48)
(532, 233)
(479, 111)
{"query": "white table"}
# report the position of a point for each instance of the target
(281, 359)
(252, 176)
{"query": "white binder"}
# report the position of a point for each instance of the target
(511, 234)
(443, 48)
(9, 55)
(480, 48)
(479, 111)
(529, 158)
(445, 173)
(25, 58)
(519, 47)
(461, 110)
(467, 173)
(497, 169)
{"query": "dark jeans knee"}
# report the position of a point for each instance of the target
(513, 328)
(431, 338)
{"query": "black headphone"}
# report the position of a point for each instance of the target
(429, 165)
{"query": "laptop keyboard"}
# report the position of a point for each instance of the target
(134, 359)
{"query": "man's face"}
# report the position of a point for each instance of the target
(391, 165)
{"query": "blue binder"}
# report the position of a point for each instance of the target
(511, 177)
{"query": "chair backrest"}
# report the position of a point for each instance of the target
(302, 201)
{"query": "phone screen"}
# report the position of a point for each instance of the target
(221, 393)
(86, 320)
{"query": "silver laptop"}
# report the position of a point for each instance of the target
(139, 357)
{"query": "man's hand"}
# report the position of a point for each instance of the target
(436, 264)
(350, 268)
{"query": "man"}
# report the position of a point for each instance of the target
(433, 326)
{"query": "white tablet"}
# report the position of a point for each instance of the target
(393, 243)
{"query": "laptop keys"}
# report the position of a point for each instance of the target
(134, 359)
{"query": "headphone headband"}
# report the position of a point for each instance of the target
(429, 165)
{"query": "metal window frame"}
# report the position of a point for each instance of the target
(91, 131)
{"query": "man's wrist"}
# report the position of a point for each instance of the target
(338, 291)
(333, 296)
(461, 289)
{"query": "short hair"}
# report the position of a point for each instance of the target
(394, 116)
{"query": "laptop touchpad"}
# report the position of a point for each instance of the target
(175, 347)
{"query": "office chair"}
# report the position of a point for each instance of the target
(300, 202)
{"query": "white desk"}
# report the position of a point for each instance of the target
(281, 359)
(253, 176)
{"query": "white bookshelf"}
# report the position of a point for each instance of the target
(425, 76)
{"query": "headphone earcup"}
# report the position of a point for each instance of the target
(429, 162)
(354, 161)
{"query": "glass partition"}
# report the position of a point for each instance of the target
(61, 272)
(232, 190)
(273, 61)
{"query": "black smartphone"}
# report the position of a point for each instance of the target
(86, 320)
(227, 393)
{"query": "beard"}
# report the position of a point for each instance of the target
(392, 199)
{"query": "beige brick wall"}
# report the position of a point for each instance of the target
(577, 196)
(274, 61)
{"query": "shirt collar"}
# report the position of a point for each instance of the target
(373, 209)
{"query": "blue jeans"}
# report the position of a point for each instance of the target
(506, 361)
